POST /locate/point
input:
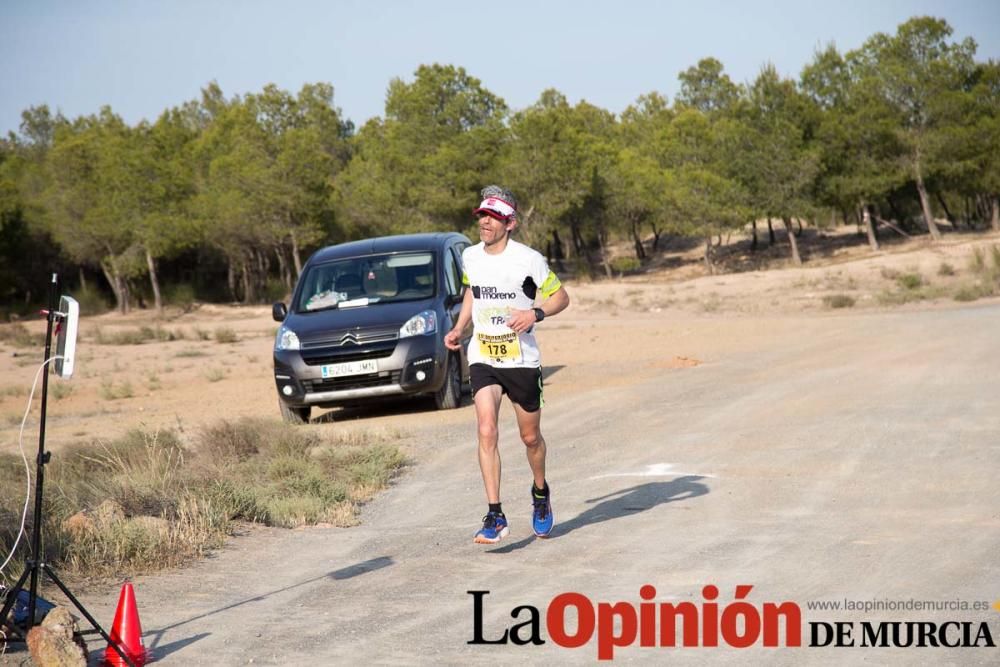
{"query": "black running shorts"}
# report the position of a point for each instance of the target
(523, 385)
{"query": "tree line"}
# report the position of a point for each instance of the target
(231, 194)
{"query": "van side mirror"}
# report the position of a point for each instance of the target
(279, 312)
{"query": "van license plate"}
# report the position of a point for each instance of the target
(363, 367)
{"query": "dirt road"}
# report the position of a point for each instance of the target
(821, 457)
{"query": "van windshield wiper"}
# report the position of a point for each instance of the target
(309, 310)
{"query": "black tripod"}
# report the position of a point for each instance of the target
(35, 563)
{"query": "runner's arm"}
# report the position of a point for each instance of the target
(522, 320)
(453, 339)
(556, 303)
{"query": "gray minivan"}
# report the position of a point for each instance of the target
(367, 322)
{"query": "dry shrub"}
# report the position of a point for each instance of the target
(286, 476)
(838, 301)
(225, 335)
(910, 281)
(137, 336)
(973, 292)
(148, 500)
(17, 334)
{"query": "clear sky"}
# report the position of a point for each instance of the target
(143, 56)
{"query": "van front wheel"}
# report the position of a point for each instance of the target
(292, 415)
(450, 394)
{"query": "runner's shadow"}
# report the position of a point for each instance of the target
(162, 651)
(621, 503)
(364, 567)
(549, 371)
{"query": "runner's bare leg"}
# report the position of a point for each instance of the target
(529, 423)
(487, 402)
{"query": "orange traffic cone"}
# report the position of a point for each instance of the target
(126, 632)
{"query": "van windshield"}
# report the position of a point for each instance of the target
(366, 281)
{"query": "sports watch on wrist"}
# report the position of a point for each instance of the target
(539, 314)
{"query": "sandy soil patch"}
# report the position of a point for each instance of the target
(616, 330)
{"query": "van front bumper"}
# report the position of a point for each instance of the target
(417, 365)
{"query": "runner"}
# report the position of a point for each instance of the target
(504, 279)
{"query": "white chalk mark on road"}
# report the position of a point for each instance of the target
(655, 470)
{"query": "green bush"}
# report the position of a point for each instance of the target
(582, 269)
(977, 263)
(296, 510)
(371, 466)
(974, 291)
(988, 271)
(910, 281)
(838, 301)
(181, 295)
(275, 290)
(239, 501)
(967, 294)
(92, 302)
(625, 264)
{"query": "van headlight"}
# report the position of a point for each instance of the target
(286, 339)
(420, 324)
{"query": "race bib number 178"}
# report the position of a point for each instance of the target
(504, 347)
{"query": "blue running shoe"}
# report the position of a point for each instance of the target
(541, 517)
(494, 529)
